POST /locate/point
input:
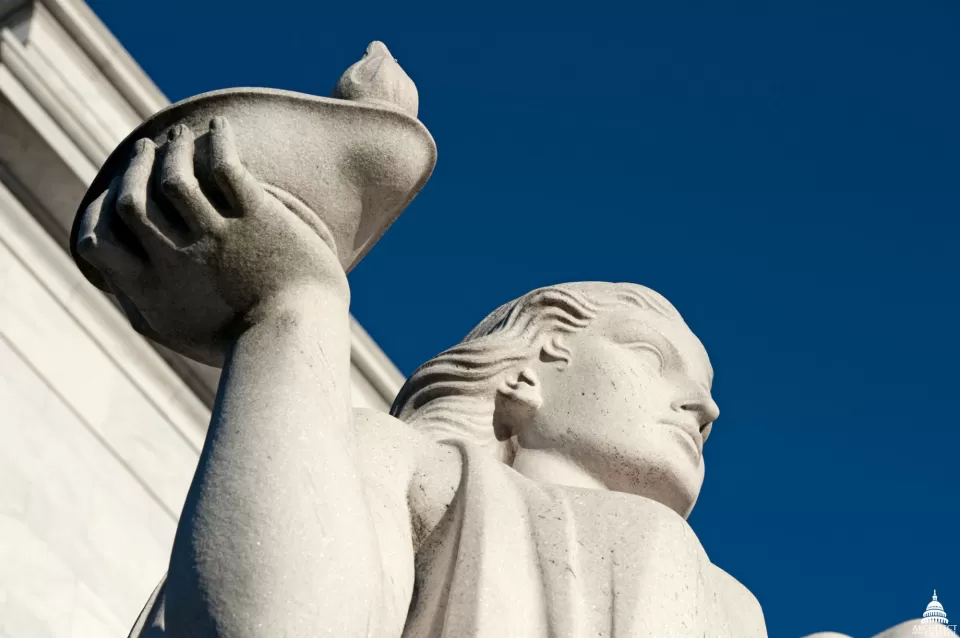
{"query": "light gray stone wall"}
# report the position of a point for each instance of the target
(93, 471)
(81, 537)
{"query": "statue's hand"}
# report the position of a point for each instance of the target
(192, 280)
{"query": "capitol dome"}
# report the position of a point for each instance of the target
(934, 613)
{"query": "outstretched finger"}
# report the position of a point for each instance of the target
(179, 184)
(98, 245)
(133, 201)
(241, 189)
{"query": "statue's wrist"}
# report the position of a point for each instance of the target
(305, 303)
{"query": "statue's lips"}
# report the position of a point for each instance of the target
(355, 164)
(689, 431)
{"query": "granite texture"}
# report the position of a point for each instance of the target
(534, 480)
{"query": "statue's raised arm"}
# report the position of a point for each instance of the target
(225, 226)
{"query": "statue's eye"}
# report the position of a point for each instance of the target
(648, 353)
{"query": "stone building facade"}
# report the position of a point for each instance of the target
(99, 430)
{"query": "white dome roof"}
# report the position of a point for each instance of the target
(934, 614)
(934, 604)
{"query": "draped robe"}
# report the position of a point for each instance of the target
(512, 558)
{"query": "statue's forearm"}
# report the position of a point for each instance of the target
(275, 535)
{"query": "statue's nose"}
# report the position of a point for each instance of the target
(702, 404)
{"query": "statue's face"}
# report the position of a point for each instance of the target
(632, 407)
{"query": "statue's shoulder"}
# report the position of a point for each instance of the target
(740, 605)
(403, 465)
(388, 442)
(384, 438)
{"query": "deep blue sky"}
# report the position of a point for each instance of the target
(787, 177)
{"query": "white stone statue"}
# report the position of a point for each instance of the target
(532, 481)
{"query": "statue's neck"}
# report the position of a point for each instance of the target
(550, 467)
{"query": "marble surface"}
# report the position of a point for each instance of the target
(93, 473)
(81, 534)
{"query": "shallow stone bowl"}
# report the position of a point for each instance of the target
(354, 164)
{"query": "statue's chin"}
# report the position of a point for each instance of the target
(676, 487)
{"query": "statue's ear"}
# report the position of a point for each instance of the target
(556, 352)
(518, 399)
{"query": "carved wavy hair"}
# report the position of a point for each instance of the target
(452, 395)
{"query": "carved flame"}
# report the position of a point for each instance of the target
(377, 78)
